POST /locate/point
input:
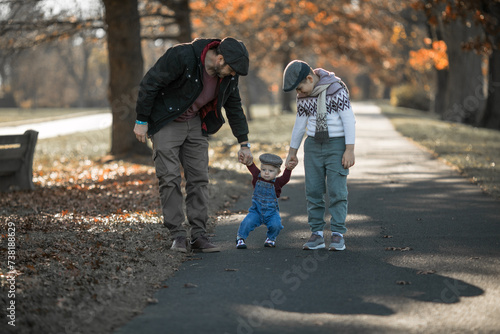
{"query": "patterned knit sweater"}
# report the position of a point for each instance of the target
(340, 117)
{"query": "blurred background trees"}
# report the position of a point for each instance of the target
(468, 30)
(437, 55)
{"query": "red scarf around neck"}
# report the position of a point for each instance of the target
(211, 45)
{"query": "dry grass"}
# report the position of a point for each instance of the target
(475, 152)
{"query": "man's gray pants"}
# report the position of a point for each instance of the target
(176, 145)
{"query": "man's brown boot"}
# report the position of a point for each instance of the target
(179, 244)
(202, 244)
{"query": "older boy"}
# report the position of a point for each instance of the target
(324, 109)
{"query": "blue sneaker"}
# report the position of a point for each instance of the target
(269, 243)
(338, 243)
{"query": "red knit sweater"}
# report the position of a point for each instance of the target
(279, 182)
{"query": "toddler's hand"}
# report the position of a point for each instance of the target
(291, 160)
(246, 162)
(291, 164)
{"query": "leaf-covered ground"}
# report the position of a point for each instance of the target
(90, 245)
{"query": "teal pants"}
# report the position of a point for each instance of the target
(324, 173)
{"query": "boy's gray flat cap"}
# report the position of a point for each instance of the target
(271, 159)
(295, 72)
(235, 55)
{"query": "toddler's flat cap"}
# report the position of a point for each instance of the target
(295, 72)
(235, 55)
(271, 159)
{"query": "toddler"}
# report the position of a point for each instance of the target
(267, 190)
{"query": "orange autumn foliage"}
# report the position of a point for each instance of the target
(426, 58)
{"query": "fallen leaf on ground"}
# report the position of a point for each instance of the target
(425, 272)
(403, 282)
(401, 249)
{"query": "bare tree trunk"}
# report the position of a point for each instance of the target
(286, 97)
(365, 83)
(83, 83)
(286, 101)
(245, 83)
(439, 105)
(182, 18)
(491, 117)
(69, 59)
(464, 93)
(125, 73)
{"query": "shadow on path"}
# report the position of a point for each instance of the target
(288, 290)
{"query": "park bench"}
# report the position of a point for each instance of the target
(16, 161)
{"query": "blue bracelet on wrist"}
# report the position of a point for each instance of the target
(140, 122)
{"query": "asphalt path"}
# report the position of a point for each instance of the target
(423, 256)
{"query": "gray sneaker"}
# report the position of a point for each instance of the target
(337, 243)
(315, 242)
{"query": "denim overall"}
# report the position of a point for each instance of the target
(264, 210)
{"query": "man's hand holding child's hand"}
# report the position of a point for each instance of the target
(245, 156)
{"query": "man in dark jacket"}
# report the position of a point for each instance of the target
(179, 105)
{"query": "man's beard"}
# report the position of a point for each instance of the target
(218, 70)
